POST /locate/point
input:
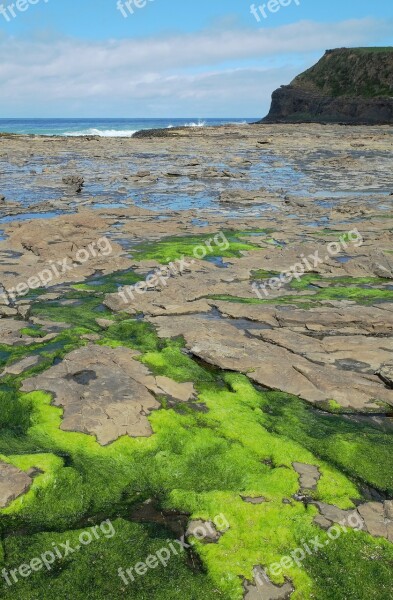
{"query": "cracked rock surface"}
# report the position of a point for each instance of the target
(13, 483)
(105, 392)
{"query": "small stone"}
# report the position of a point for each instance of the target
(386, 373)
(13, 483)
(104, 323)
(203, 530)
(6, 311)
(75, 181)
(388, 506)
(180, 391)
(263, 589)
(20, 366)
(322, 522)
(309, 475)
(251, 500)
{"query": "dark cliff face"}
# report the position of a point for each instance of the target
(353, 86)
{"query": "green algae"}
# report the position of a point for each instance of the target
(83, 313)
(34, 331)
(226, 244)
(313, 278)
(92, 572)
(243, 444)
(48, 352)
(199, 463)
(363, 568)
(300, 301)
(107, 284)
(340, 288)
(360, 450)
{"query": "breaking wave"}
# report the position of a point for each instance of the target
(102, 132)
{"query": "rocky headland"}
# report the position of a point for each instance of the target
(348, 85)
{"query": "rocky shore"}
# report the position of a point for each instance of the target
(216, 336)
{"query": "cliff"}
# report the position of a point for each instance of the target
(348, 85)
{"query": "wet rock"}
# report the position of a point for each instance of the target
(104, 323)
(64, 238)
(204, 531)
(309, 475)
(112, 403)
(386, 374)
(251, 500)
(76, 182)
(7, 311)
(13, 483)
(174, 174)
(91, 337)
(357, 353)
(225, 346)
(105, 392)
(20, 366)
(181, 391)
(24, 310)
(322, 522)
(333, 513)
(249, 196)
(10, 332)
(376, 519)
(263, 589)
(389, 509)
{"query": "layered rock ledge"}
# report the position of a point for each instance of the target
(351, 86)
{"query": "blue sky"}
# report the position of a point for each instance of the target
(171, 58)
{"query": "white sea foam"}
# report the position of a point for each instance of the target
(102, 132)
(199, 124)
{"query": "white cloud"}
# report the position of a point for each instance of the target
(190, 74)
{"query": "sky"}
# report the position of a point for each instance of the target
(169, 58)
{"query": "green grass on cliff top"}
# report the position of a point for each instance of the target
(351, 72)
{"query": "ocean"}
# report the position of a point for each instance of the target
(104, 127)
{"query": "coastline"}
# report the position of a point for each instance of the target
(202, 285)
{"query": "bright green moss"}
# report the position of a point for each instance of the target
(363, 568)
(34, 332)
(227, 244)
(134, 334)
(358, 449)
(203, 457)
(108, 284)
(197, 462)
(48, 352)
(81, 311)
(360, 295)
(92, 572)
